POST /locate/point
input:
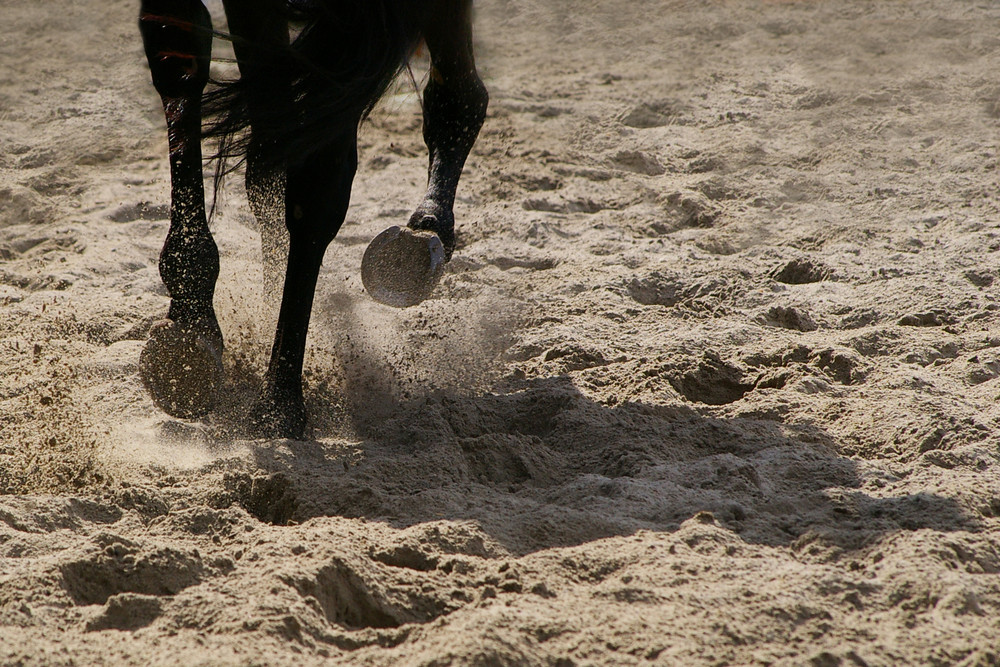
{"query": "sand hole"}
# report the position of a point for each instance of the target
(127, 611)
(801, 271)
(123, 567)
(711, 381)
(353, 596)
(269, 498)
(345, 598)
(408, 557)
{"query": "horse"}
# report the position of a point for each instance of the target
(309, 72)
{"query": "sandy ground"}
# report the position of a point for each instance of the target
(712, 379)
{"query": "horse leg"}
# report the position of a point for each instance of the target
(265, 194)
(317, 194)
(258, 27)
(455, 101)
(181, 363)
(401, 266)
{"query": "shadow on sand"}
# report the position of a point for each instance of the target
(540, 465)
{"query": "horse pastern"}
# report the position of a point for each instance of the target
(422, 221)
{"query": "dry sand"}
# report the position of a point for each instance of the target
(712, 378)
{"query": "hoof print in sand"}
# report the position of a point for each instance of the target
(561, 205)
(842, 365)
(652, 114)
(801, 271)
(346, 598)
(575, 357)
(933, 318)
(269, 498)
(407, 557)
(122, 566)
(709, 380)
(508, 460)
(143, 210)
(691, 209)
(656, 289)
(361, 594)
(980, 277)
(789, 317)
(638, 162)
(127, 611)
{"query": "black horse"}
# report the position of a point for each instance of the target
(310, 71)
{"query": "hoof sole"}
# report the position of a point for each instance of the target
(182, 370)
(401, 266)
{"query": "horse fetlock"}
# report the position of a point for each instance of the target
(433, 217)
(189, 266)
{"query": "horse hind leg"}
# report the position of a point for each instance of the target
(258, 27)
(265, 194)
(401, 267)
(455, 102)
(181, 363)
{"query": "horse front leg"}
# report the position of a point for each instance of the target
(317, 194)
(181, 363)
(401, 267)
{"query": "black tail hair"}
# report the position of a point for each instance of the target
(303, 95)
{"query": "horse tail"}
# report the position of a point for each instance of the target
(300, 96)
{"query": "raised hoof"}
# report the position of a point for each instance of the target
(278, 419)
(401, 266)
(181, 368)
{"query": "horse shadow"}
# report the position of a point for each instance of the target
(537, 464)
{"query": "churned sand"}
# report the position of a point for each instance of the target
(711, 380)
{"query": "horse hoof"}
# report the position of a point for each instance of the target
(181, 368)
(401, 266)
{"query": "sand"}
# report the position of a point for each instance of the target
(711, 380)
